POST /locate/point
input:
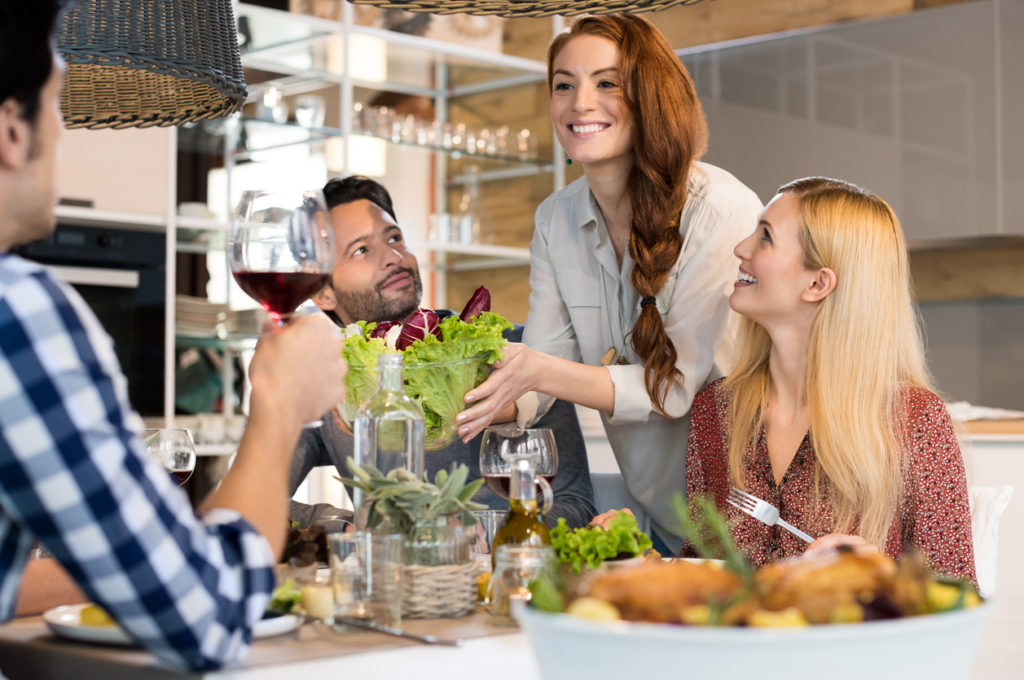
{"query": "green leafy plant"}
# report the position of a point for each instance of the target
(594, 545)
(402, 499)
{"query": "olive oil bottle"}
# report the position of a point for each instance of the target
(523, 525)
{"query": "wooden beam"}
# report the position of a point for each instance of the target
(718, 20)
(987, 271)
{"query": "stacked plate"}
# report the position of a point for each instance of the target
(198, 317)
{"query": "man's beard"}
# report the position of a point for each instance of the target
(373, 306)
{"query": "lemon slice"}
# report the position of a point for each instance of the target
(95, 615)
(593, 609)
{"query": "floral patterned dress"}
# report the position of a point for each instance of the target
(934, 516)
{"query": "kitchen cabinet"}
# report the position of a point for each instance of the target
(921, 108)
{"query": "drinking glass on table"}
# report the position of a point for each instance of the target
(281, 250)
(516, 567)
(366, 572)
(482, 533)
(174, 449)
(502, 444)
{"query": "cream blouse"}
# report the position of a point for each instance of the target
(582, 304)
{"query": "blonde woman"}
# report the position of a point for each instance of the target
(829, 412)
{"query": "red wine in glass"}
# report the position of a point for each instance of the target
(501, 483)
(280, 292)
(174, 449)
(281, 248)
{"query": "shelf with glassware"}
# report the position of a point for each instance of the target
(293, 61)
(369, 82)
(203, 235)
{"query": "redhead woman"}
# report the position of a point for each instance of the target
(829, 413)
(631, 264)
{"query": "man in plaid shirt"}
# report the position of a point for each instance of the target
(73, 473)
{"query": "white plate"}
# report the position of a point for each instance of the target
(935, 646)
(278, 625)
(65, 621)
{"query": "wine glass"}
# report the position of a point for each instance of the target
(281, 250)
(502, 444)
(174, 449)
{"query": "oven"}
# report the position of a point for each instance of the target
(120, 272)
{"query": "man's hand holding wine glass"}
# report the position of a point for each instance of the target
(281, 251)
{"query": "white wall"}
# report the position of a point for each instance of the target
(116, 169)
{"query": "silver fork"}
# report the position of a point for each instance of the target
(762, 511)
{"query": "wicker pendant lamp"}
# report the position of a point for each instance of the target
(140, 63)
(526, 8)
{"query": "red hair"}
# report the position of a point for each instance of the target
(669, 134)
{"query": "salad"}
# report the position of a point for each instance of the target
(443, 360)
(593, 545)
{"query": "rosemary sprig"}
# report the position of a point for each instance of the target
(708, 532)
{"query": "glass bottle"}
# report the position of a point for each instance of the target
(388, 430)
(523, 525)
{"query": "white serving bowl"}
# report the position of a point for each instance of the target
(929, 647)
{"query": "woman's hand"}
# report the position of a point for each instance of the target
(604, 518)
(829, 542)
(511, 378)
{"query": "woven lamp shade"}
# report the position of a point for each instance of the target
(527, 8)
(141, 63)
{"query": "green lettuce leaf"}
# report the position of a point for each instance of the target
(594, 545)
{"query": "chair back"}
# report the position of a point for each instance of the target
(987, 505)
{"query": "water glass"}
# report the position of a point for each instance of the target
(482, 533)
(515, 568)
(310, 110)
(366, 573)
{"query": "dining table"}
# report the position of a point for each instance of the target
(29, 651)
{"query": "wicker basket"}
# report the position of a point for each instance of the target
(443, 591)
(140, 63)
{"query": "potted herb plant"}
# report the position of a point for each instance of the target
(440, 574)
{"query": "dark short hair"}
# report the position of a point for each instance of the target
(26, 53)
(355, 187)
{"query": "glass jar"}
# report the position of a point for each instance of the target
(515, 567)
(437, 541)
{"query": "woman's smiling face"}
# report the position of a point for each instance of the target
(773, 276)
(589, 113)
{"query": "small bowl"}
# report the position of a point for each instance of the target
(439, 407)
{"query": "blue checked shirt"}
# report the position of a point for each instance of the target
(74, 475)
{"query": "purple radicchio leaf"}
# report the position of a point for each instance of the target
(381, 329)
(479, 302)
(422, 323)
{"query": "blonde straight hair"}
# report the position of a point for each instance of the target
(865, 346)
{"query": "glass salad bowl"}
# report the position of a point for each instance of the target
(438, 387)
